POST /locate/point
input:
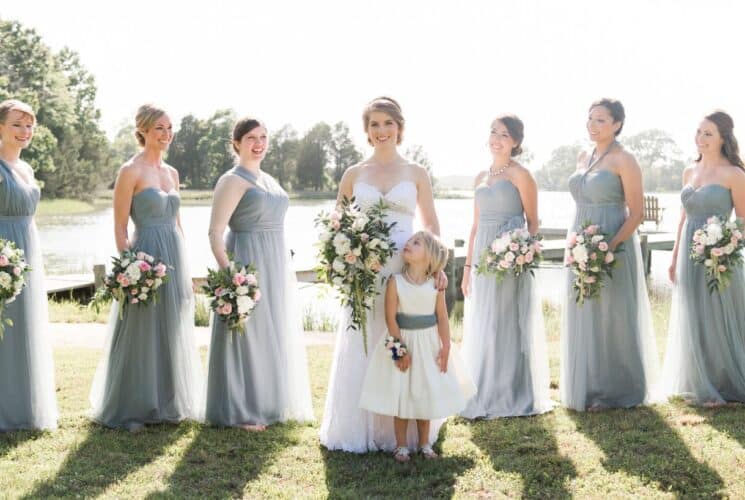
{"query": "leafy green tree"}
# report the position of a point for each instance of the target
(342, 150)
(554, 174)
(313, 157)
(659, 157)
(281, 159)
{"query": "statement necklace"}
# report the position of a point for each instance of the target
(494, 173)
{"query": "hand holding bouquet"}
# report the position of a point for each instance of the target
(353, 248)
(513, 253)
(134, 279)
(717, 246)
(589, 257)
(13, 268)
(234, 292)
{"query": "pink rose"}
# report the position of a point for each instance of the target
(4, 260)
(609, 257)
(335, 224)
(149, 282)
(251, 280)
(721, 268)
(335, 216)
(124, 281)
(571, 239)
(225, 309)
(238, 279)
(570, 259)
(590, 279)
(133, 291)
(140, 255)
(593, 256)
(257, 295)
(529, 257)
(592, 229)
(603, 246)
(144, 266)
(514, 246)
(134, 300)
(537, 247)
(700, 249)
(520, 260)
(17, 271)
(717, 252)
(364, 237)
(350, 258)
(160, 270)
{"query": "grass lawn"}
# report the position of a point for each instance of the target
(664, 451)
(64, 206)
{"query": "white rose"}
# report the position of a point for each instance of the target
(729, 248)
(241, 290)
(730, 225)
(7, 251)
(326, 236)
(157, 283)
(713, 233)
(708, 262)
(598, 238)
(338, 281)
(5, 280)
(357, 251)
(145, 289)
(360, 223)
(133, 272)
(579, 253)
(142, 296)
(374, 243)
(245, 304)
(384, 245)
(338, 265)
(509, 256)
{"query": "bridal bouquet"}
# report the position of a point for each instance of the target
(590, 259)
(13, 268)
(234, 292)
(134, 279)
(354, 246)
(717, 245)
(513, 253)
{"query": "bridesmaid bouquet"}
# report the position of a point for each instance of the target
(717, 245)
(590, 259)
(13, 268)
(134, 279)
(234, 292)
(353, 248)
(514, 252)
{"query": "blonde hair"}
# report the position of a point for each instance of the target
(146, 116)
(386, 105)
(15, 105)
(437, 252)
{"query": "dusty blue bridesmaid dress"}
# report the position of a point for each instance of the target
(27, 390)
(260, 377)
(608, 354)
(504, 344)
(151, 371)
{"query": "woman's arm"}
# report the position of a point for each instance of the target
(391, 307)
(528, 190)
(228, 192)
(465, 284)
(737, 186)
(124, 188)
(177, 187)
(346, 184)
(681, 222)
(443, 329)
(631, 179)
(426, 201)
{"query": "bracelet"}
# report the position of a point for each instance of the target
(397, 347)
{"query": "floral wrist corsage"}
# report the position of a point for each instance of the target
(398, 348)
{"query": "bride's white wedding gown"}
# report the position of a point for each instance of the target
(345, 426)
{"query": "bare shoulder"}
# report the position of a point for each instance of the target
(130, 169)
(624, 161)
(417, 171)
(735, 176)
(351, 173)
(521, 173)
(480, 177)
(583, 155)
(688, 172)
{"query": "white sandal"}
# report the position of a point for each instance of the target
(401, 454)
(428, 452)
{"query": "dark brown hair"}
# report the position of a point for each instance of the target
(615, 108)
(516, 129)
(725, 126)
(242, 127)
(386, 105)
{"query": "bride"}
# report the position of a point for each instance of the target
(404, 186)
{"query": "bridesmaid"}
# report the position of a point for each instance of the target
(705, 356)
(504, 343)
(151, 371)
(608, 354)
(260, 377)
(27, 390)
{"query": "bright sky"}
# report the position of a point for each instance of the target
(452, 65)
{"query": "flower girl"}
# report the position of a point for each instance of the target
(413, 374)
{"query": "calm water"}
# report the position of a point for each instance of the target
(72, 244)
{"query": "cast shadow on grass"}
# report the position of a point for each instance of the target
(12, 440)
(105, 457)
(525, 446)
(377, 475)
(639, 442)
(726, 419)
(220, 462)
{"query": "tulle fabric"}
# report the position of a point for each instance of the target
(345, 425)
(608, 350)
(27, 389)
(423, 391)
(151, 371)
(705, 355)
(504, 342)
